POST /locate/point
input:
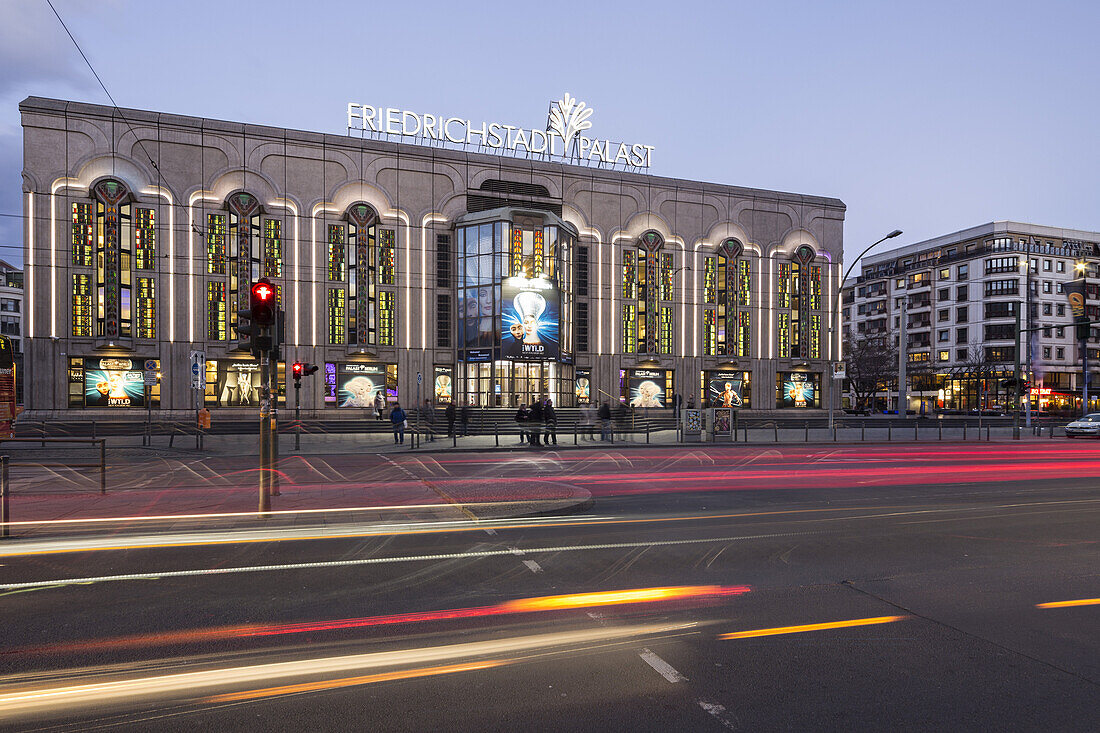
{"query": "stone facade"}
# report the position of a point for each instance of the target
(185, 169)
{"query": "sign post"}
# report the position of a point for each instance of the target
(839, 372)
(416, 425)
(198, 388)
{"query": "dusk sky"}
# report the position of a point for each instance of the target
(928, 117)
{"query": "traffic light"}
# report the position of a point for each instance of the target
(299, 370)
(262, 302)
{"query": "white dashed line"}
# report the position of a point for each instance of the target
(533, 566)
(719, 713)
(662, 667)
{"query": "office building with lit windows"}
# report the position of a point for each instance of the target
(495, 279)
(956, 297)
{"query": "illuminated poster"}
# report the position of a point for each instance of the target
(529, 319)
(478, 319)
(798, 389)
(727, 389)
(238, 383)
(648, 387)
(444, 384)
(113, 382)
(357, 384)
(582, 386)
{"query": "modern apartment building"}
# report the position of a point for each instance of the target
(951, 304)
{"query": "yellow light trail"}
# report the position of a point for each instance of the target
(1068, 604)
(405, 674)
(811, 627)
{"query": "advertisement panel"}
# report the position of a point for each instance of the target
(648, 387)
(444, 384)
(800, 390)
(726, 388)
(477, 316)
(236, 383)
(529, 319)
(113, 382)
(1075, 294)
(582, 386)
(357, 384)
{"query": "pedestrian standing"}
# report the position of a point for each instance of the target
(449, 413)
(587, 420)
(551, 419)
(400, 421)
(427, 414)
(464, 419)
(676, 399)
(380, 403)
(691, 402)
(521, 420)
(534, 423)
(605, 421)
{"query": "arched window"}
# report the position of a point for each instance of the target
(360, 271)
(798, 304)
(113, 243)
(647, 295)
(727, 287)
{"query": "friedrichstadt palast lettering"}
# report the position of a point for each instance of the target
(561, 138)
(495, 276)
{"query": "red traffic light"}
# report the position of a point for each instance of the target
(297, 368)
(262, 302)
(263, 292)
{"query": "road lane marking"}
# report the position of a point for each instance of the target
(811, 627)
(662, 667)
(533, 566)
(386, 560)
(719, 713)
(1068, 604)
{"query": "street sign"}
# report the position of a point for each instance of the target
(419, 378)
(198, 370)
(840, 370)
(150, 365)
(150, 378)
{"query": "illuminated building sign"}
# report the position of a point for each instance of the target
(529, 319)
(1040, 391)
(562, 138)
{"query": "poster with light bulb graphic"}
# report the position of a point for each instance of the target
(529, 318)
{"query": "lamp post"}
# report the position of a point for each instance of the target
(840, 311)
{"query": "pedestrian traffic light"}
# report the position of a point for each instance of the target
(262, 302)
(299, 369)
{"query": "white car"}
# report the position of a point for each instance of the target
(1087, 426)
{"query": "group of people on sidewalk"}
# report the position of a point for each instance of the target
(532, 419)
(426, 420)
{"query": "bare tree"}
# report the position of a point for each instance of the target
(872, 364)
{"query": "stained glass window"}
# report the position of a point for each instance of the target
(710, 332)
(815, 336)
(215, 244)
(630, 275)
(146, 308)
(83, 243)
(387, 256)
(784, 333)
(815, 287)
(517, 252)
(337, 313)
(666, 329)
(666, 276)
(539, 255)
(710, 287)
(743, 320)
(386, 318)
(82, 305)
(744, 283)
(630, 336)
(273, 248)
(145, 240)
(784, 285)
(215, 311)
(337, 253)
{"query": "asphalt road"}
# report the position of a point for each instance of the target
(690, 594)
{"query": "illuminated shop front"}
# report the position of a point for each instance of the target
(727, 388)
(359, 384)
(798, 390)
(647, 388)
(236, 383)
(110, 381)
(515, 308)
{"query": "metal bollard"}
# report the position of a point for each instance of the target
(807, 426)
(5, 517)
(776, 426)
(889, 431)
(940, 425)
(93, 430)
(863, 431)
(986, 434)
(102, 466)
(916, 432)
(496, 437)
(834, 432)
(964, 430)
(647, 431)
(575, 434)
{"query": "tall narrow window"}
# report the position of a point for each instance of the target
(215, 244)
(731, 275)
(387, 318)
(630, 337)
(337, 317)
(83, 237)
(113, 260)
(387, 255)
(799, 318)
(582, 273)
(710, 285)
(443, 320)
(145, 239)
(245, 253)
(273, 248)
(215, 311)
(710, 332)
(337, 253)
(146, 308)
(82, 305)
(647, 283)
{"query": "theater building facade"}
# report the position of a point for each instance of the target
(468, 275)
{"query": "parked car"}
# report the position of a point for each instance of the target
(1087, 426)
